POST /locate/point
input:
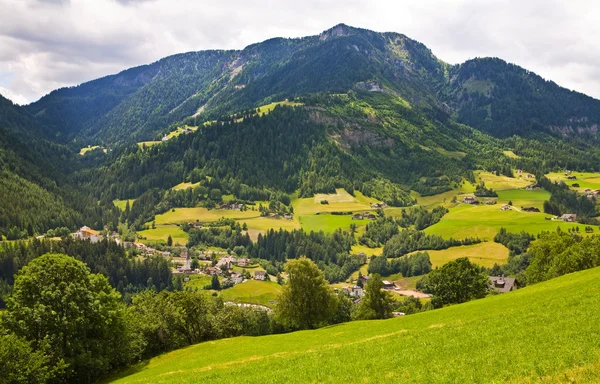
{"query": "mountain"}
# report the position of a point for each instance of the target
(494, 340)
(365, 111)
(488, 94)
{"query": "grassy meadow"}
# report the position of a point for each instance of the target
(493, 340)
(485, 254)
(484, 221)
(184, 215)
(121, 204)
(84, 150)
(162, 232)
(253, 291)
(341, 201)
(501, 182)
(185, 185)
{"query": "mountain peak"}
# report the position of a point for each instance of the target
(340, 29)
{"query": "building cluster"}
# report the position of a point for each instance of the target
(364, 216)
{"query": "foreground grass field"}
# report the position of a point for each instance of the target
(546, 333)
(484, 221)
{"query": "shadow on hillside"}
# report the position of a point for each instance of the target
(127, 372)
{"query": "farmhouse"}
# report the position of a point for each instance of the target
(533, 186)
(236, 278)
(470, 200)
(357, 216)
(357, 291)
(530, 209)
(490, 202)
(213, 271)
(243, 262)
(287, 216)
(519, 171)
(505, 207)
(379, 205)
(388, 284)
(503, 284)
(569, 217)
(369, 216)
(165, 138)
(86, 233)
(260, 275)
(364, 279)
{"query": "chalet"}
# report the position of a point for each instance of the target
(503, 284)
(470, 200)
(533, 186)
(288, 216)
(226, 262)
(569, 217)
(398, 314)
(505, 207)
(571, 177)
(235, 207)
(596, 192)
(86, 233)
(530, 209)
(214, 271)
(388, 284)
(357, 216)
(379, 205)
(357, 291)
(236, 278)
(364, 279)
(260, 275)
(369, 216)
(243, 262)
(529, 176)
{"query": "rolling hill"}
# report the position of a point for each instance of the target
(494, 340)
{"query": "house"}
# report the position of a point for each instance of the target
(379, 205)
(470, 200)
(505, 207)
(243, 262)
(357, 216)
(569, 217)
(388, 284)
(596, 192)
(287, 216)
(533, 186)
(571, 177)
(490, 202)
(236, 278)
(398, 314)
(503, 284)
(519, 171)
(357, 291)
(529, 176)
(530, 209)
(260, 275)
(588, 190)
(364, 279)
(214, 271)
(86, 233)
(369, 216)
(165, 138)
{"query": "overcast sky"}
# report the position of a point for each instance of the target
(47, 44)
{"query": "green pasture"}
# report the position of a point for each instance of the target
(162, 232)
(546, 333)
(253, 291)
(485, 254)
(184, 215)
(121, 204)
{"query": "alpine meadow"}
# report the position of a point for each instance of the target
(340, 207)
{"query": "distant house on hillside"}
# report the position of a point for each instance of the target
(287, 216)
(530, 209)
(533, 186)
(490, 202)
(503, 284)
(388, 284)
(369, 216)
(505, 207)
(86, 233)
(364, 279)
(165, 138)
(379, 205)
(260, 275)
(470, 200)
(357, 216)
(571, 177)
(356, 291)
(243, 262)
(569, 217)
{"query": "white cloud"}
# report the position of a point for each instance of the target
(46, 44)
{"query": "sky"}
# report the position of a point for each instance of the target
(48, 44)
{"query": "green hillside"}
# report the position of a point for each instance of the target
(498, 339)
